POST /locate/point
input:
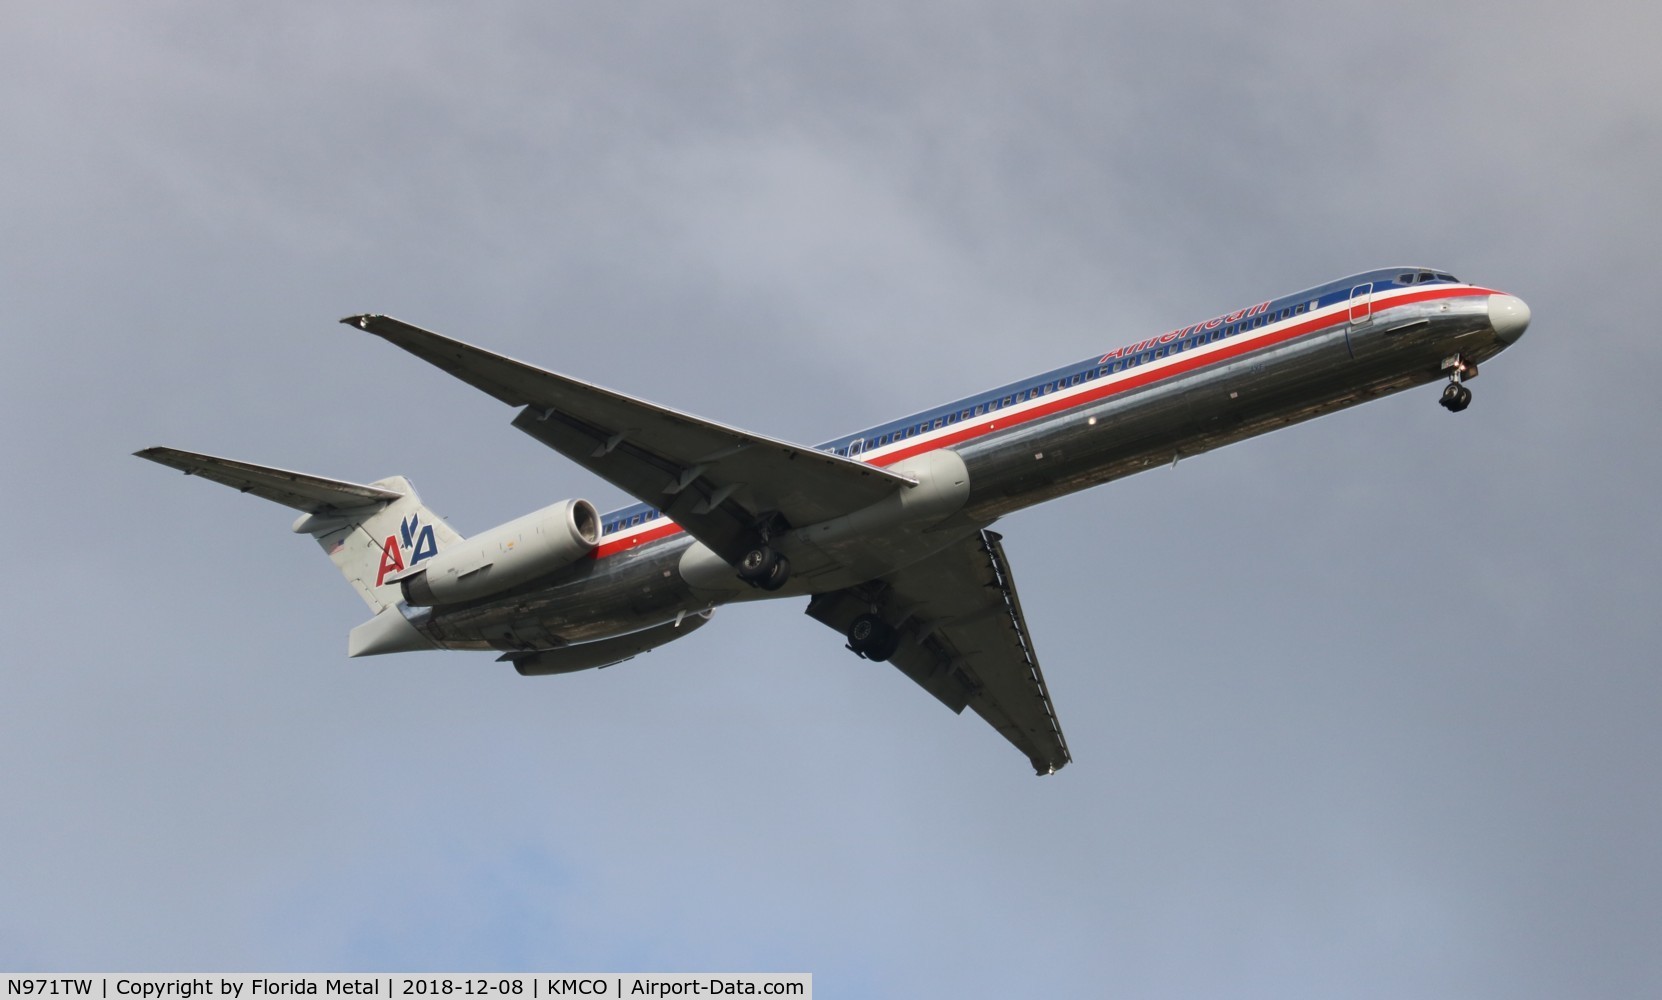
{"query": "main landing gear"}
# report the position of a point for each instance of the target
(1456, 396)
(764, 567)
(872, 638)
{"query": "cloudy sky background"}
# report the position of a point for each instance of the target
(1366, 707)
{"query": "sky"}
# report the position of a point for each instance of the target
(1364, 707)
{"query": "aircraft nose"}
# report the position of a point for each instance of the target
(1509, 317)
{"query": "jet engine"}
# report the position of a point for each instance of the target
(505, 556)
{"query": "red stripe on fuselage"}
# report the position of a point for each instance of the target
(1105, 386)
(1226, 351)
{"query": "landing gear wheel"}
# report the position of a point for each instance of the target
(781, 573)
(763, 567)
(1456, 397)
(871, 638)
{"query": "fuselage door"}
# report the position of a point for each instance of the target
(1361, 304)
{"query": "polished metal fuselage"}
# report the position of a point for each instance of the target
(1217, 405)
(1358, 356)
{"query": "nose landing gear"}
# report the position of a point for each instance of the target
(1456, 396)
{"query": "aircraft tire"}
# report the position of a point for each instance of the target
(780, 574)
(760, 565)
(871, 637)
(1456, 398)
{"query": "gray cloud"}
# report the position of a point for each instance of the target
(1364, 707)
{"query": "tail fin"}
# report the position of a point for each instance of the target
(371, 533)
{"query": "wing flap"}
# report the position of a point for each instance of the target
(966, 641)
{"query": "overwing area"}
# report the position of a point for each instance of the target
(965, 641)
(721, 484)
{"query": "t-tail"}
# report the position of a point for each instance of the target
(373, 533)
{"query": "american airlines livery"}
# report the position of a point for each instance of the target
(885, 531)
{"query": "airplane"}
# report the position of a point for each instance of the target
(885, 531)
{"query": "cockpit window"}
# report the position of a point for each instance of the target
(1405, 279)
(1447, 277)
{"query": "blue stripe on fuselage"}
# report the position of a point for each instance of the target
(1275, 312)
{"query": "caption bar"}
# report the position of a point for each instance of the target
(400, 986)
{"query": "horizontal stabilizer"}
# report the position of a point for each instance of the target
(313, 494)
(371, 533)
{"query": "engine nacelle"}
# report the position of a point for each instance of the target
(506, 556)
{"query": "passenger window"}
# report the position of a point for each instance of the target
(967, 414)
(1299, 308)
(1078, 379)
(940, 421)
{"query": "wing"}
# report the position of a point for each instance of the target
(314, 494)
(721, 484)
(965, 641)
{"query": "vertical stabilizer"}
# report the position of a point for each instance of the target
(372, 546)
